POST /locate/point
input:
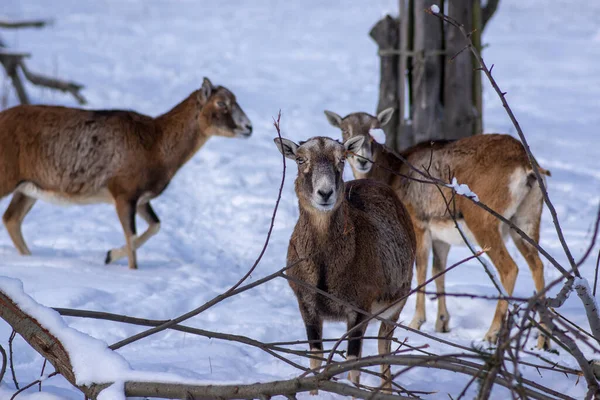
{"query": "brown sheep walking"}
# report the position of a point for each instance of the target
(75, 156)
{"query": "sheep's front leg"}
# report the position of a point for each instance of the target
(356, 323)
(314, 333)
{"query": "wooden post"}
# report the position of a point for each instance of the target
(459, 111)
(403, 33)
(477, 85)
(386, 34)
(427, 74)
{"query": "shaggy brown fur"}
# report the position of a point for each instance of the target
(360, 251)
(495, 167)
(69, 155)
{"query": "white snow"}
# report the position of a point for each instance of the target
(581, 284)
(378, 135)
(435, 9)
(116, 391)
(583, 289)
(91, 359)
(462, 189)
(300, 56)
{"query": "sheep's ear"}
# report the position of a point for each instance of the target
(333, 118)
(385, 116)
(286, 147)
(206, 89)
(354, 144)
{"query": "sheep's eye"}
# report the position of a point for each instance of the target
(300, 160)
(221, 104)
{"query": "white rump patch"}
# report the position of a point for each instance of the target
(518, 189)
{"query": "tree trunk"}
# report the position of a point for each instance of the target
(427, 74)
(459, 111)
(386, 34)
(477, 85)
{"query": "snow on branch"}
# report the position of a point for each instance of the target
(87, 359)
(589, 302)
(463, 190)
(100, 373)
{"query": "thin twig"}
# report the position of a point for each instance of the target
(30, 385)
(10, 352)
(42, 374)
(592, 241)
(4, 362)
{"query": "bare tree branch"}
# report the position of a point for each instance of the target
(52, 83)
(592, 241)
(586, 368)
(37, 337)
(10, 352)
(40, 23)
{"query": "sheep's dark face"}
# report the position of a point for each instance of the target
(319, 184)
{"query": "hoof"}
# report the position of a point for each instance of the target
(543, 343)
(108, 258)
(416, 323)
(314, 392)
(491, 337)
(442, 324)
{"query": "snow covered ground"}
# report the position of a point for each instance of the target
(301, 57)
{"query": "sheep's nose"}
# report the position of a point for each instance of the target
(249, 128)
(325, 194)
(362, 162)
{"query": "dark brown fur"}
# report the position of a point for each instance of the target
(89, 156)
(360, 252)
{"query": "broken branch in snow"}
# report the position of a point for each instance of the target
(38, 337)
(13, 62)
(52, 83)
